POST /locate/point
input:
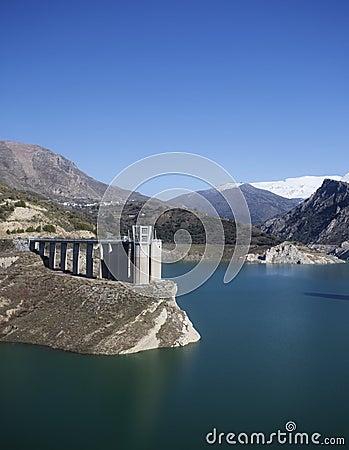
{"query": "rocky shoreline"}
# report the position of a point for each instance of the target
(44, 307)
(292, 253)
(283, 253)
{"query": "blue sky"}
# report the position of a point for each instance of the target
(259, 86)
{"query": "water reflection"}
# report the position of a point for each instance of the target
(323, 295)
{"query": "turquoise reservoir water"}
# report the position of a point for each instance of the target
(274, 349)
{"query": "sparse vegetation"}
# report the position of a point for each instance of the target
(49, 228)
(21, 204)
(175, 219)
(83, 226)
(15, 231)
(5, 210)
(46, 212)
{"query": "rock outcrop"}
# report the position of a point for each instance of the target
(44, 307)
(291, 253)
(342, 251)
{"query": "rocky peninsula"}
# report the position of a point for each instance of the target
(292, 253)
(44, 307)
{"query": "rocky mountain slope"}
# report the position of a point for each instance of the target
(37, 169)
(323, 219)
(40, 306)
(262, 204)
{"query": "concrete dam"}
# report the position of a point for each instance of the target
(135, 260)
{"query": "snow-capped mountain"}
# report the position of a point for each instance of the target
(346, 178)
(300, 187)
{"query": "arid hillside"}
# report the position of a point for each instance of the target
(28, 214)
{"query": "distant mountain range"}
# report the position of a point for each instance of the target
(300, 187)
(27, 169)
(323, 219)
(37, 169)
(262, 204)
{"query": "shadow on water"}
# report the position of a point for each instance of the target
(324, 295)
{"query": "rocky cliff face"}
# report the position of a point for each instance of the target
(323, 219)
(39, 306)
(342, 251)
(290, 253)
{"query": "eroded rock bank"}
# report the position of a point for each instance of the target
(44, 307)
(291, 253)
